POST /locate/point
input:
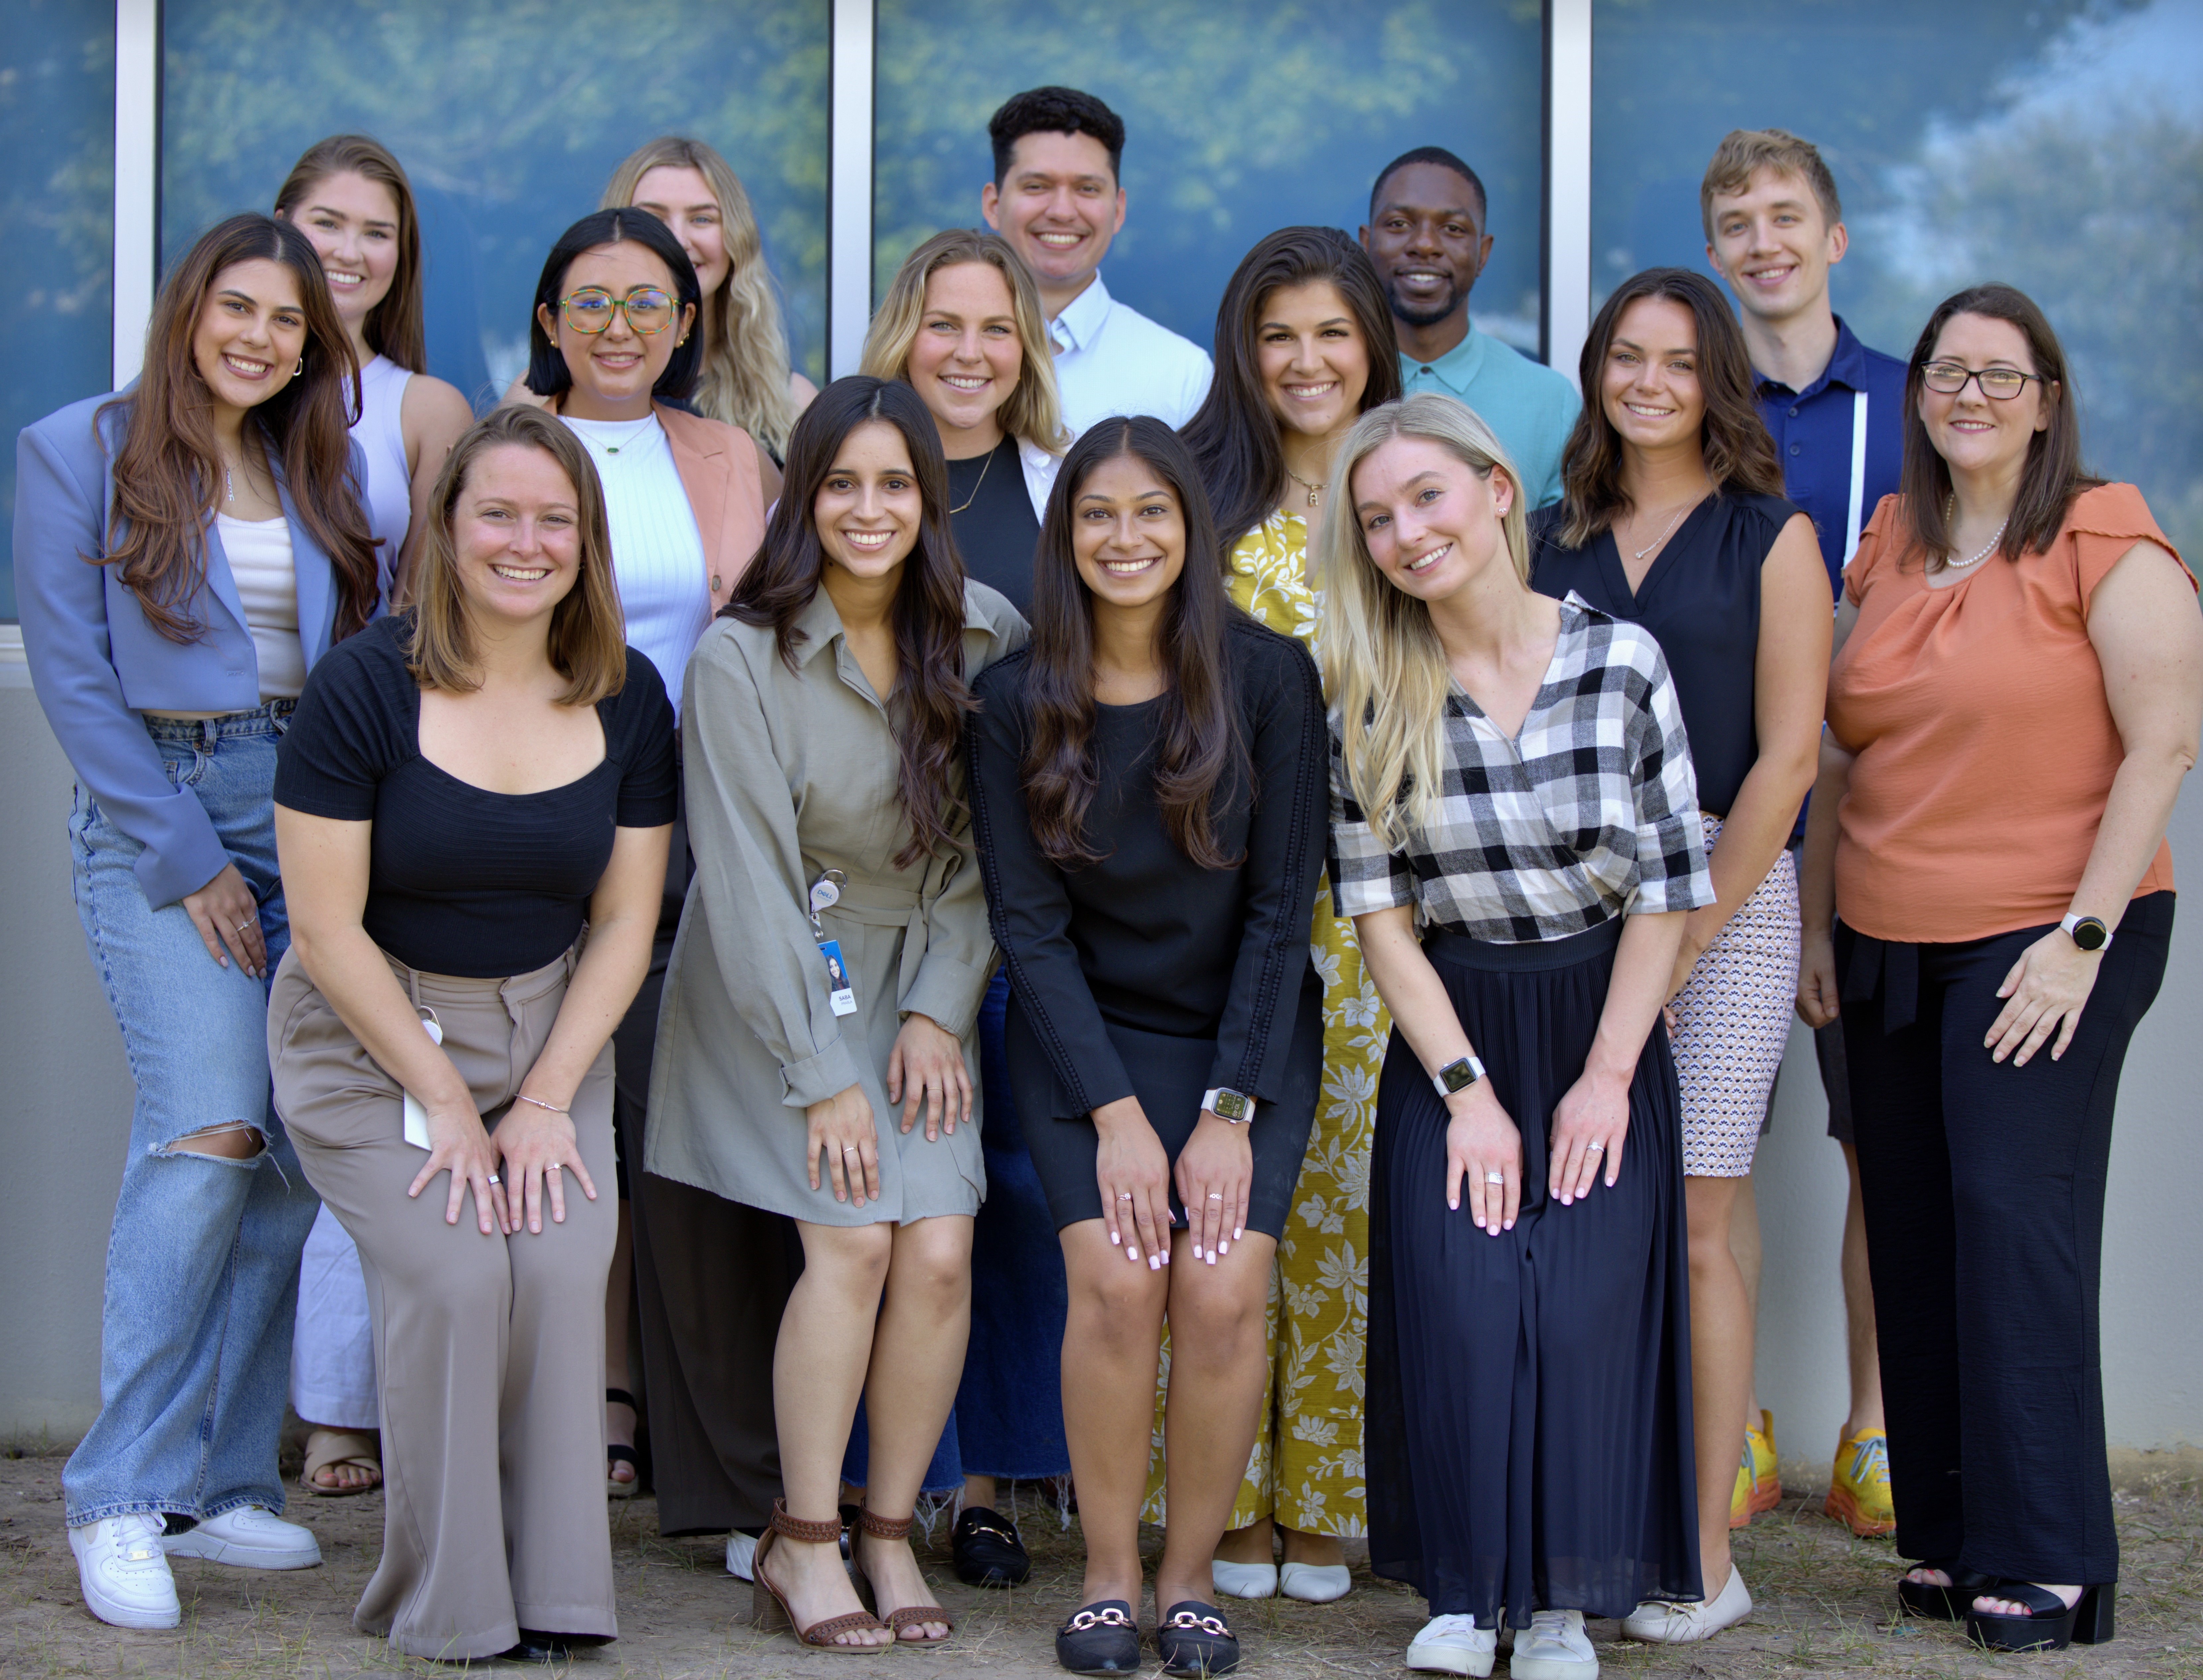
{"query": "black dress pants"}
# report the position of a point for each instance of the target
(1984, 1185)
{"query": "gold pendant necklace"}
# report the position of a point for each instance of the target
(979, 480)
(1313, 489)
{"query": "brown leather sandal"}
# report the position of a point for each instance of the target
(911, 1615)
(770, 1611)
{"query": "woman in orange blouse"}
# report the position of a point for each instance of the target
(2016, 695)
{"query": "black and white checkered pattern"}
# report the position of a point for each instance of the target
(1592, 812)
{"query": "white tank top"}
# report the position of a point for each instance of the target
(382, 436)
(267, 579)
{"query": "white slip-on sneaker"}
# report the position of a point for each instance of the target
(1454, 1645)
(1555, 1647)
(741, 1555)
(1657, 1622)
(248, 1537)
(125, 1573)
(1315, 1583)
(1243, 1580)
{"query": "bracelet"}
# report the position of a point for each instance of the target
(521, 1097)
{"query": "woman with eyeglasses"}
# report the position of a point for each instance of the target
(2016, 692)
(744, 380)
(612, 351)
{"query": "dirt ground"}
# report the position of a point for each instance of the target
(1825, 1607)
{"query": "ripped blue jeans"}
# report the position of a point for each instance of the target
(202, 1262)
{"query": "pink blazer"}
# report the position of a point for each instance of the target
(718, 466)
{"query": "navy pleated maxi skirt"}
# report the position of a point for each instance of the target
(1529, 1410)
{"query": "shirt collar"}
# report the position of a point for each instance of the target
(819, 624)
(1457, 369)
(1846, 367)
(1081, 320)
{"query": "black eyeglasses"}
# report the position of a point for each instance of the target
(590, 310)
(2003, 384)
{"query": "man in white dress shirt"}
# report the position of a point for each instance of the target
(1056, 197)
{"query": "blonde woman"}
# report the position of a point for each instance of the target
(1510, 775)
(961, 325)
(745, 379)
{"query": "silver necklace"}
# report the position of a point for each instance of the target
(1949, 506)
(1639, 554)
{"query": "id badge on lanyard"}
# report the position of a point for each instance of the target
(825, 893)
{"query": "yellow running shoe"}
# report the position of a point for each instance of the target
(1858, 1490)
(1766, 1478)
(1740, 1501)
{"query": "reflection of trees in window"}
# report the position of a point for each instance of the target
(1242, 116)
(518, 112)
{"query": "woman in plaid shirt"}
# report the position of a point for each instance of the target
(1510, 776)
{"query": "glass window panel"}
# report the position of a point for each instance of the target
(1241, 117)
(509, 120)
(57, 204)
(2057, 146)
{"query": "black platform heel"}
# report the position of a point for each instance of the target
(2049, 1625)
(1945, 1604)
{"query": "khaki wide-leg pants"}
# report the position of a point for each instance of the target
(489, 1351)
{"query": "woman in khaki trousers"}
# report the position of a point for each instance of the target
(461, 790)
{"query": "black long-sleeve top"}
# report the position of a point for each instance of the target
(1145, 938)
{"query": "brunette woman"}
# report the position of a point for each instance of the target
(823, 992)
(1303, 346)
(612, 351)
(1509, 777)
(1671, 517)
(465, 788)
(961, 325)
(352, 200)
(2017, 694)
(1148, 788)
(185, 549)
(743, 378)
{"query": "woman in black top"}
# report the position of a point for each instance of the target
(463, 786)
(1148, 789)
(1672, 516)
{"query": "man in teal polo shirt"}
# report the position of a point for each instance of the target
(1426, 235)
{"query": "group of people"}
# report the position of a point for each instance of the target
(1264, 929)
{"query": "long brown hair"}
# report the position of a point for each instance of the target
(1199, 737)
(392, 328)
(2053, 474)
(1236, 436)
(168, 473)
(928, 614)
(1739, 456)
(587, 643)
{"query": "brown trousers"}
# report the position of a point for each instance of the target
(489, 1350)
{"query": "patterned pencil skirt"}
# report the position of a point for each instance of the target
(1733, 1021)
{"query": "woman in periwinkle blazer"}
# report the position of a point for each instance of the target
(185, 549)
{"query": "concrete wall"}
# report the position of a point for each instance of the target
(65, 1103)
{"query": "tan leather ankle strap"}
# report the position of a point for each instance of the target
(885, 1528)
(795, 1528)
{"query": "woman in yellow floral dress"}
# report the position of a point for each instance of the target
(1304, 345)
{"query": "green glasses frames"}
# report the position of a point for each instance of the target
(590, 310)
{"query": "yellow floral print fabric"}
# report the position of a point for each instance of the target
(1306, 1468)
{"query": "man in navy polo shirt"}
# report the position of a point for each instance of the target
(1774, 227)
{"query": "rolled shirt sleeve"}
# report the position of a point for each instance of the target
(1671, 849)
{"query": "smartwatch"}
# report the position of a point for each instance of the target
(2088, 932)
(1458, 1075)
(1234, 1108)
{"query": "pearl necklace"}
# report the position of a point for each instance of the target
(1949, 506)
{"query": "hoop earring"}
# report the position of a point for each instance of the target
(300, 369)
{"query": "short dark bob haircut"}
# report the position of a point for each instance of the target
(547, 373)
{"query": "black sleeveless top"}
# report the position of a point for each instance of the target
(1700, 600)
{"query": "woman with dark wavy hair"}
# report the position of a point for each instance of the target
(185, 549)
(833, 951)
(1304, 346)
(1148, 786)
(1671, 517)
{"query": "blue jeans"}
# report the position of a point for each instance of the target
(203, 1263)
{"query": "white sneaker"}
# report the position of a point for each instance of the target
(1243, 1580)
(1554, 1648)
(1315, 1583)
(1454, 1645)
(741, 1555)
(125, 1573)
(248, 1537)
(1657, 1622)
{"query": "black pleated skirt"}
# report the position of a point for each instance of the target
(1529, 1405)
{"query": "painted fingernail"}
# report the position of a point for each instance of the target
(1212, 1258)
(1197, 1251)
(1238, 1231)
(1114, 1239)
(1224, 1248)
(1154, 1263)
(1131, 1254)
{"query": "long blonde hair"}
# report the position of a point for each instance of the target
(1031, 413)
(1383, 664)
(745, 377)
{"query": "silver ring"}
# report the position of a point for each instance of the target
(1216, 1195)
(1124, 1195)
(848, 1149)
(1594, 1149)
(493, 1178)
(1495, 1178)
(248, 921)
